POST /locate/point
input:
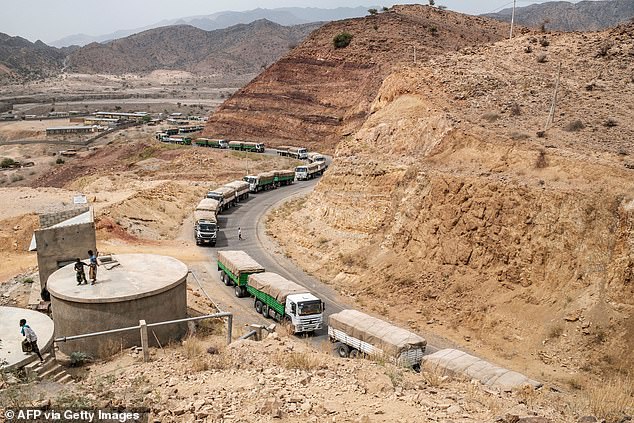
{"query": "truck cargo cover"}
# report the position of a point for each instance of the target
(240, 186)
(285, 172)
(391, 339)
(275, 285)
(239, 262)
(205, 215)
(208, 204)
(227, 192)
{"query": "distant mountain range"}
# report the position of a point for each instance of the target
(239, 49)
(22, 59)
(286, 16)
(565, 16)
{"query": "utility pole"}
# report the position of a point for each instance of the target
(512, 19)
(551, 115)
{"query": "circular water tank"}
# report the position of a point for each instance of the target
(129, 288)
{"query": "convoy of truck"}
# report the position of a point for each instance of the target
(356, 334)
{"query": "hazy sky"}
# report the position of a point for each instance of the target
(50, 20)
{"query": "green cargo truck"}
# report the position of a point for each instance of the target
(284, 177)
(264, 181)
(254, 147)
(282, 299)
(235, 268)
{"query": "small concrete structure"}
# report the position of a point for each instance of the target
(460, 363)
(61, 130)
(130, 288)
(64, 236)
(11, 355)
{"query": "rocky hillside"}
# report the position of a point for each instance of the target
(240, 49)
(566, 16)
(317, 92)
(454, 211)
(21, 59)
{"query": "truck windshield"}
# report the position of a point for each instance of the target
(301, 169)
(249, 179)
(207, 227)
(309, 307)
(214, 196)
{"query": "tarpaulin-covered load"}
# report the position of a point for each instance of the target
(240, 187)
(389, 338)
(275, 285)
(208, 204)
(227, 192)
(205, 215)
(285, 172)
(267, 175)
(239, 262)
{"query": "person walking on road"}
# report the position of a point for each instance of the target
(92, 272)
(239, 233)
(81, 275)
(31, 337)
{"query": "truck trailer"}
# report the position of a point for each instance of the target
(262, 182)
(255, 147)
(290, 151)
(241, 188)
(284, 177)
(282, 299)
(206, 142)
(356, 334)
(235, 268)
(225, 195)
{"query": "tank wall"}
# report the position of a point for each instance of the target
(74, 318)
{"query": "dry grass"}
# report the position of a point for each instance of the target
(612, 400)
(555, 331)
(435, 377)
(300, 360)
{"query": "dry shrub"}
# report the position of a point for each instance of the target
(490, 117)
(541, 162)
(555, 331)
(542, 58)
(299, 360)
(575, 125)
(435, 377)
(612, 400)
(193, 347)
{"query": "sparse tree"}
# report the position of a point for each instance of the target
(432, 2)
(385, 8)
(373, 11)
(342, 40)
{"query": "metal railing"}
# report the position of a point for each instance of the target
(143, 326)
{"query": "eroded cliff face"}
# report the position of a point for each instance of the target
(520, 249)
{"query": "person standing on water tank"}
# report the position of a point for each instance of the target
(81, 275)
(92, 272)
(31, 337)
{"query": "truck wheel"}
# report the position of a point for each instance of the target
(226, 279)
(258, 306)
(238, 291)
(355, 354)
(342, 350)
(265, 310)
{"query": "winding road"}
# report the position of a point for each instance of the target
(250, 217)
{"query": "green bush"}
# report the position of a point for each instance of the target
(59, 161)
(342, 40)
(7, 162)
(373, 11)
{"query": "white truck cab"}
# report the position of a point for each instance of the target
(252, 181)
(305, 311)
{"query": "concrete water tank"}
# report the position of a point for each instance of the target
(129, 288)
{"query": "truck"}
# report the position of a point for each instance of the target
(235, 268)
(284, 177)
(205, 221)
(205, 227)
(206, 142)
(315, 157)
(225, 195)
(177, 139)
(255, 147)
(262, 182)
(357, 334)
(284, 300)
(290, 151)
(241, 188)
(309, 171)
